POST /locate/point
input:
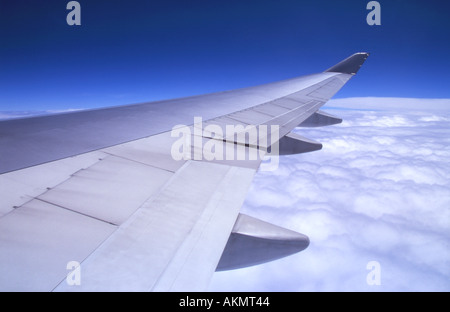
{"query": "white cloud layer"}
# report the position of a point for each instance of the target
(379, 190)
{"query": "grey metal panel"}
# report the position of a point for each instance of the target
(208, 236)
(269, 109)
(38, 240)
(326, 91)
(175, 240)
(288, 103)
(223, 121)
(250, 116)
(21, 186)
(154, 151)
(298, 111)
(111, 190)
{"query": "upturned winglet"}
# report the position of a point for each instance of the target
(350, 65)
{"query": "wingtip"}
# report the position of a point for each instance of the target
(351, 64)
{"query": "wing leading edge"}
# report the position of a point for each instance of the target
(102, 188)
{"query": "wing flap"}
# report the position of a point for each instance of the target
(21, 186)
(286, 112)
(39, 239)
(109, 190)
(193, 215)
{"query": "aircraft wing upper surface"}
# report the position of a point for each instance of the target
(103, 188)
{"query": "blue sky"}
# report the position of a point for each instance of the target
(128, 52)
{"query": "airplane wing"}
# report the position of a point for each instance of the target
(146, 197)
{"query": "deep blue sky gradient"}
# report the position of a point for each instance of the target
(135, 51)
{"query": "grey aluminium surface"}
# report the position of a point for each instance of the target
(101, 187)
